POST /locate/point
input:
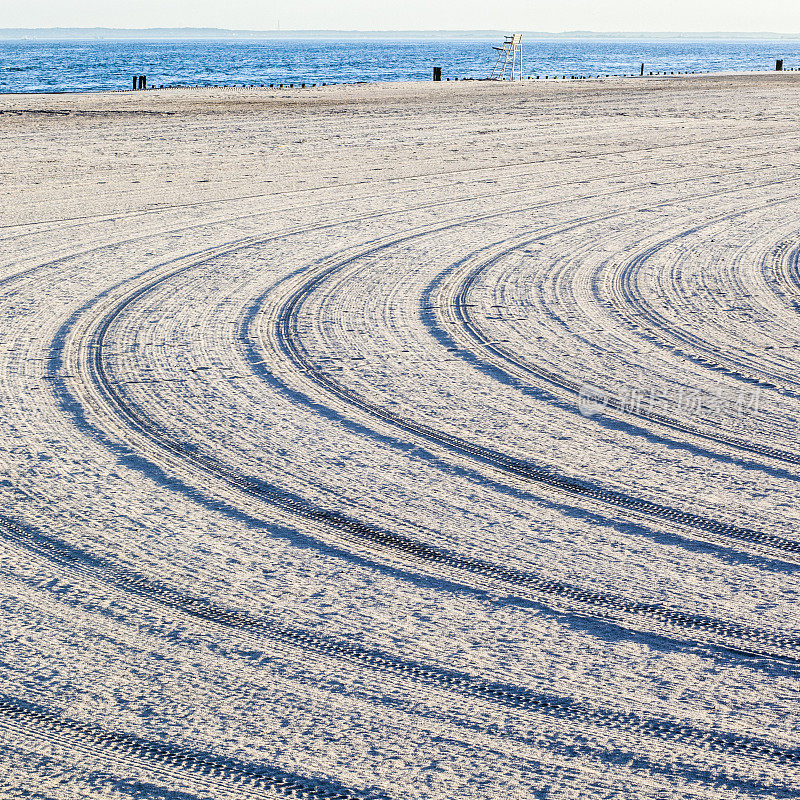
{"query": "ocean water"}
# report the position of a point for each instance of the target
(48, 66)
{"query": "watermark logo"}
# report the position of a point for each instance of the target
(591, 400)
(721, 406)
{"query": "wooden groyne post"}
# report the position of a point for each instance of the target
(779, 65)
(143, 81)
(437, 73)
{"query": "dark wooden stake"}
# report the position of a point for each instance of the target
(437, 73)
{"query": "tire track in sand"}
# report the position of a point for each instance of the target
(519, 698)
(667, 621)
(455, 298)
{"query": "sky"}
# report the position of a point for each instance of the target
(776, 16)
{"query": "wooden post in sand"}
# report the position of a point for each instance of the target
(642, 72)
(779, 65)
(437, 73)
(135, 82)
(143, 81)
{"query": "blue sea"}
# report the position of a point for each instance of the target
(50, 66)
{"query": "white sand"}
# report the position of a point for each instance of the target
(481, 251)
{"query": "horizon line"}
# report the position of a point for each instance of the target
(235, 32)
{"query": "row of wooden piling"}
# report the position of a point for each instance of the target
(437, 74)
(585, 77)
(140, 81)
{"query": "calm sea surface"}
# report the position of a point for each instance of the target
(47, 66)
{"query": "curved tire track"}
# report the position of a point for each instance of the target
(453, 681)
(456, 297)
(276, 781)
(664, 621)
(288, 340)
(631, 308)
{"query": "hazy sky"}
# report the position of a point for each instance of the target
(780, 16)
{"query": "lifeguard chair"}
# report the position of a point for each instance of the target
(509, 55)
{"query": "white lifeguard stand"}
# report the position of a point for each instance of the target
(507, 57)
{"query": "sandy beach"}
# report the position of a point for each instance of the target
(423, 441)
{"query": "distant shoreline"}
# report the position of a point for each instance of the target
(179, 34)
